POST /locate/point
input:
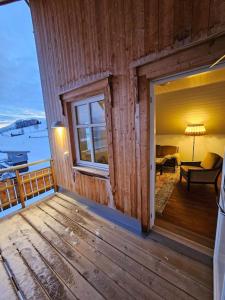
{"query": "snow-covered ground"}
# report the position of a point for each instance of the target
(34, 139)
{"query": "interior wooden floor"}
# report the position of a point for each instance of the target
(191, 214)
(57, 249)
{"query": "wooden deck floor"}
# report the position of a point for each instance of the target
(57, 249)
(191, 214)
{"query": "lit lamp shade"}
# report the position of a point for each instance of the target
(195, 129)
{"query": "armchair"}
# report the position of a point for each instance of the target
(205, 172)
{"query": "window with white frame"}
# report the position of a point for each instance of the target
(90, 132)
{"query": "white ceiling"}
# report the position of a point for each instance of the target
(202, 101)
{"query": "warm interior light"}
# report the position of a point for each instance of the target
(57, 124)
(60, 131)
(218, 61)
(195, 129)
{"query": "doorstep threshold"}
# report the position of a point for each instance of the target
(182, 245)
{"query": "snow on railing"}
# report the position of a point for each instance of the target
(23, 186)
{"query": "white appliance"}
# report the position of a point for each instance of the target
(219, 251)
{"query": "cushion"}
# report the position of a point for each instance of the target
(160, 160)
(185, 169)
(210, 160)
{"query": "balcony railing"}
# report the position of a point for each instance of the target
(23, 186)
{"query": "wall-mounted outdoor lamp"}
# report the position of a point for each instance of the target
(58, 130)
(57, 124)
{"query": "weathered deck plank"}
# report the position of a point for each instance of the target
(6, 287)
(28, 285)
(48, 279)
(150, 279)
(197, 271)
(166, 271)
(91, 273)
(56, 249)
(48, 262)
(118, 274)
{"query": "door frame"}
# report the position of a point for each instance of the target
(162, 64)
(217, 291)
(152, 124)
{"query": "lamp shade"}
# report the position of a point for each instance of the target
(195, 129)
(57, 124)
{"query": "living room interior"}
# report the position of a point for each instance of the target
(189, 141)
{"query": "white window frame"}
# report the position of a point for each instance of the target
(90, 125)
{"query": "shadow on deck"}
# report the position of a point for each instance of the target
(58, 249)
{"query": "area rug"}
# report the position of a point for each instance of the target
(164, 186)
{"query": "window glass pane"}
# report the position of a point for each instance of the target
(98, 112)
(84, 143)
(82, 114)
(100, 145)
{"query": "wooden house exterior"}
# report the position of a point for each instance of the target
(116, 47)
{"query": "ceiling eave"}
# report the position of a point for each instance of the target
(3, 2)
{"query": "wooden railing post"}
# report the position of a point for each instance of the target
(20, 186)
(53, 176)
(28, 185)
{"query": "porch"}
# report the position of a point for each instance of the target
(59, 249)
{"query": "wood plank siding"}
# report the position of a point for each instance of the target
(84, 41)
(58, 249)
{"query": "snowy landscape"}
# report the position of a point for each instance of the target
(32, 138)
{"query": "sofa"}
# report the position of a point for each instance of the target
(203, 172)
(166, 157)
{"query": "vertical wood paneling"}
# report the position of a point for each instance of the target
(216, 16)
(182, 21)
(151, 26)
(200, 19)
(138, 28)
(97, 188)
(144, 150)
(103, 37)
(108, 113)
(83, 38)
(165, 19)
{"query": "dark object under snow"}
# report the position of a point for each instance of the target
(15, 158)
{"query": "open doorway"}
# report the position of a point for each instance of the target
(189, 137)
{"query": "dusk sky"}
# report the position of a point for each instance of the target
(20, 88)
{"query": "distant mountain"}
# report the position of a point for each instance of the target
(20, 124)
